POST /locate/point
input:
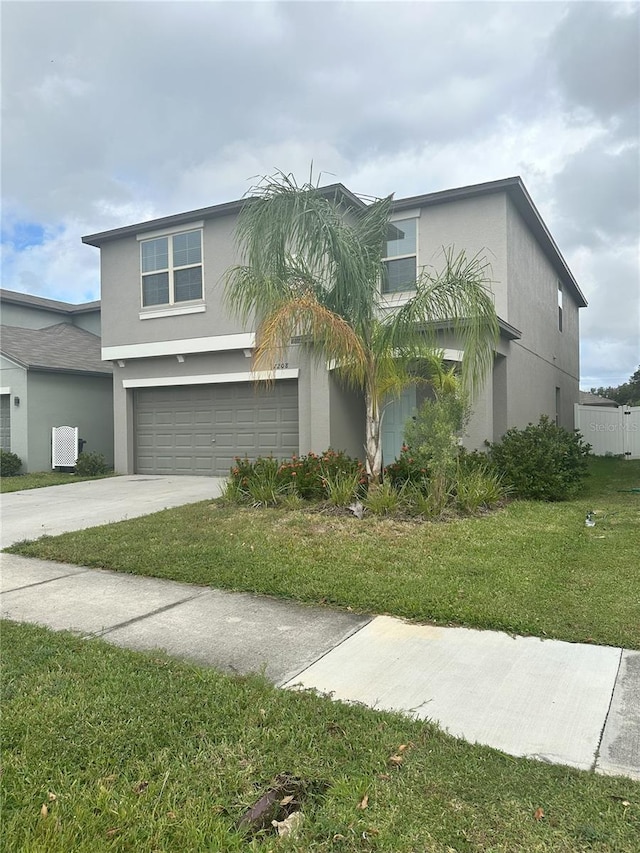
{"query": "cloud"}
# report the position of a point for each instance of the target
(119, 112)
(595, 52)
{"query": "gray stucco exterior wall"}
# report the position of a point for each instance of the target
(123, 319)
(70, 400)
(545, 358)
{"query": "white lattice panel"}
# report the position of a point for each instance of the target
(64, 446)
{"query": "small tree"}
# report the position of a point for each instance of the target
(432, 437)
(313, 268)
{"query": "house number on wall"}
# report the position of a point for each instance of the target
(283, 365)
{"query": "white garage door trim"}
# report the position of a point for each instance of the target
(211, 378)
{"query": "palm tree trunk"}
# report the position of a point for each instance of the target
(373, 446)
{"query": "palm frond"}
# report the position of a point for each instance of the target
(327, 334)
(457, 297)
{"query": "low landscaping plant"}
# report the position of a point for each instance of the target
(407, 468)
(91, 465)
(478, 488)
(343, 487)
(383, 499)
(266, 480)
(543, 461)
(10, 464)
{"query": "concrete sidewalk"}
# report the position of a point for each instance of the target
(559, 702)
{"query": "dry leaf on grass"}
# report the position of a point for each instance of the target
(52, 797)
(396, 760)
(44, 811)
(538, 814)
(290, 826)
(364, 802)
(141, 787)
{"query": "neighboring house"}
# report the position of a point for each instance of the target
(52, 374)
(185, 397)
(586, 398)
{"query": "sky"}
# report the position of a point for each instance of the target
(119, 112)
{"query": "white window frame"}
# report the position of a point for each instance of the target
(560, 305)
(169, 234)
(403, 217)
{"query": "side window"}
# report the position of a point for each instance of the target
(401, 262)
(171, 268)
(559, 307)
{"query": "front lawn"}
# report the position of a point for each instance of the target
(112, 750)
(530, 568)
(41, 479)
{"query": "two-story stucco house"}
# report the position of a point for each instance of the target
(185, 397)
(52, 374)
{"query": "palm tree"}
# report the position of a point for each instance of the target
(312, 268)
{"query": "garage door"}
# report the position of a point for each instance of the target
(5, 421)
(199, 429)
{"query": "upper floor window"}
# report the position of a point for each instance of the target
(171, 268)
(559, 306)
(400, 261)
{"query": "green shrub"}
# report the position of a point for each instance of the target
(406, 469)
(91, 465)
(10, 463)
(433, 434)
(543, 461)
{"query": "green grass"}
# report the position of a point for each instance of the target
(134, 752)
(531, 568)
(40, 479)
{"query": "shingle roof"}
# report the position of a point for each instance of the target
(589, 399)
(16, 298)
(62, 347)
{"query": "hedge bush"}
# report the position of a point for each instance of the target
(91, 465)
(542, 461)
(10, 463)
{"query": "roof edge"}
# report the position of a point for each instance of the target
(225, 209)
(16, 297)
(516, 190)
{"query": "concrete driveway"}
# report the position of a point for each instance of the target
(32, 513)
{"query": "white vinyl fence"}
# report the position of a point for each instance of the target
(610, 431)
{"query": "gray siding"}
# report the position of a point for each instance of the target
(73, 400)
(347, 423)
(39, 317)
(121, 294)
(15, 378)
(477, 226)
(545, 358)
(30, 317)
(5, 421)
(88, 320)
